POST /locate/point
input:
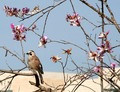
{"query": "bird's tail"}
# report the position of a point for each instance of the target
(41, 77)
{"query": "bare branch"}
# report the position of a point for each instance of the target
(17, 72)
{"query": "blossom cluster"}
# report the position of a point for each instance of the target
(68, 51)
(102, 49)
(19, 32)
(98, 55)
(73, 19)
(43, 41)
(97, 69)
(15, 11)
(57, 58)
(20, 12)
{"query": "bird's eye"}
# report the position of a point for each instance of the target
(30, 53)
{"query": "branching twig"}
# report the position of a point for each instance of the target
(17, 73)
(101, 14)
(45, 23)
(13, 54)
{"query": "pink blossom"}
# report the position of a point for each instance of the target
(94, 55)
(19, 32)
(103, 35)
(15, 11)
(108, 46)
(104, 48)
(43, 41)
(113, 65)
(34, 27)
(22, 28)
(96, 69)
(73, 19)
(68, 51)
(12, 26)
(55, 58)
(11, 11)
(25, 10)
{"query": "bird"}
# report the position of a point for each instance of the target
(34, 64)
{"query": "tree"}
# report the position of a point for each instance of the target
(96, 45)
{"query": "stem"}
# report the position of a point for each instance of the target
(72, 6)
(45, 23)
(23, 54)
(101, 78)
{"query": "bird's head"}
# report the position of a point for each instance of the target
(30, 53)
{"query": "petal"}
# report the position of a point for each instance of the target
(12, 26)
(40, 44)
(101, 35)
(45, 37)
(113, 65)
(96, 59)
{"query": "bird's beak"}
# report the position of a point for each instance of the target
(27, 53)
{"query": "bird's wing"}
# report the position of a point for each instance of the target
(39, 64)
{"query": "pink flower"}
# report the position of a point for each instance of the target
(43, 41)
(15, 11)
(34, 10)
(34, 27)
(12, 26)
(94, 56)
(113, 65)
(11, 11)
(22, 28)
(108, 46)
(96, 69)
(19, 32)
(101, 48)
(55, 58)
(103, 35)
(25, 10)
(104, 48)
(73, 19)
(68, 51)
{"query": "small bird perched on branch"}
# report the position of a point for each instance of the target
(34, 64)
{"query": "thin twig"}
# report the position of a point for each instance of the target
(45, 23)
(13, 54)
(17, 72)
(45, 13)
(23, 54)
(72, 6)
(87, 36)
(101, 14)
